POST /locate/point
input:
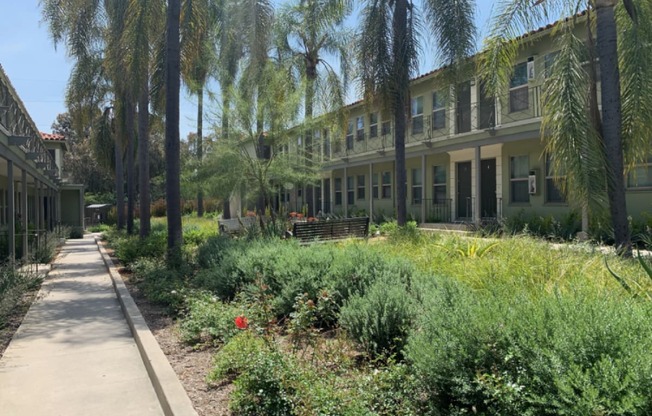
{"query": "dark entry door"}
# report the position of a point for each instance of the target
(464, 190)
(488, 188)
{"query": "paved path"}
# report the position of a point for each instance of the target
(74, 353)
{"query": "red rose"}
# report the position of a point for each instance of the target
(241, 322)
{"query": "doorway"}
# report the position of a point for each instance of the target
(464, 204)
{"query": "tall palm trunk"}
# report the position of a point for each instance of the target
(200, 145)
(400, 105)
(119, 187)
(311, 76)
(131, 180)
(226, 206)
(172, 144)
(612, 121)
(143, 159)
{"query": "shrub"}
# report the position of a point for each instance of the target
(76, 233)
(159, 208)
(130, 248)
(159, 284)
(236, 356)
(499, 353)
(13, 285)
(208, 320)
(380, 319)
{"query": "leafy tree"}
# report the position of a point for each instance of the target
(388, 53)
(584, 139)
(309, 31)
(250, 159)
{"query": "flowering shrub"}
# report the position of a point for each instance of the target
(241, 322)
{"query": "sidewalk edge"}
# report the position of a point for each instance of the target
(172, 396)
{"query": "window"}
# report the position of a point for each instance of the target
(386, 128)
(387, 185)
(373, 125)
(359, 125)
(641, 175)
(349, 136)
(417, 186)
(438, 111)
(327, 146)
(350, 191)
(416, 108)
(374, 186)
(361, 187)
(519, 170)
(439, 185)
(549, 61)
(338, 191)
(518, 90)
(553, 193)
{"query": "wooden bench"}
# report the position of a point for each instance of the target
(331, 229)
(235, 225)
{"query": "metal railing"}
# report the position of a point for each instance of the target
(438, 210)
(488, 115)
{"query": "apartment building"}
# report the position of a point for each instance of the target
(34, 198)
(470, 156)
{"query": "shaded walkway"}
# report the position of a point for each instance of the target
(74, 354)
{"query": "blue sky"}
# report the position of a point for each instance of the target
(39, 73)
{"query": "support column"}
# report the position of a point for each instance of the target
(331, 191)
(11, 211)
(477, 215)
(24, 215)
(323, 194)
(423, 189)
(345, 197)
(371, 191)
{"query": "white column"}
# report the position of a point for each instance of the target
(477, 215)
(371, 190)
(345, 194)
(11, 211)
(24, 214)
(423, 189)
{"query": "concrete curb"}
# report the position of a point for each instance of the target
(171, 394)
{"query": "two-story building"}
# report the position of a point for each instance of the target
(34, 199)
(470, 156)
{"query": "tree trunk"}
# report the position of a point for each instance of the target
(172, 144)
(200, 146)
(131, 180)
(143, 159)
(400, 105)
(311, 76)
(119, 186)
(612, 122)
(226, 205)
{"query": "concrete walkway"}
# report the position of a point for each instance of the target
(74, 353)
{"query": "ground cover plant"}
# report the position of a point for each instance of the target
(415, 324)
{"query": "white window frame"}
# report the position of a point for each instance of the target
(517, 179)
(438, 109)
(518, 88)
(416, 114)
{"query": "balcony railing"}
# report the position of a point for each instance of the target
(444, 124)
(438, 210)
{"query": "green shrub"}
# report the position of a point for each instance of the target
(13, 285)
(391, 390)
(380, 319)
(131, 248)
(99, 228)
(236, 356)
(159, 284)
(46, 250)
(76, 233)
(208, 320)
(498, 352)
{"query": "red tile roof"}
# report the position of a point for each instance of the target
(53, 137)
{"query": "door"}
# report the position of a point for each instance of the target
(488, 188)
(464, 202)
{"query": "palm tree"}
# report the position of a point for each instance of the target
(199, 25)
(307, 30)
(172, 143)
(583, 139)
(388, 52)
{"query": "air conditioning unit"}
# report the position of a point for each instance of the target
(532, 182)
(531, 72)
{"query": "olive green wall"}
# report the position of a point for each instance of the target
(71, 204)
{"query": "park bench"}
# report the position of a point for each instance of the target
(329, 230)
(235, 225)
